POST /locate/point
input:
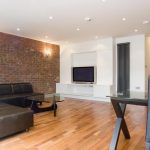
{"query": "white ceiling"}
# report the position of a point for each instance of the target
(32, 17)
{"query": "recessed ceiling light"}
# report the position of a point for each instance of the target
(66, 42)
(103, 0)
(123, 19)
(18, 29)
(46, 37)
(87, 19)
(96, 37)
(78, 29)
(146, 22)
(135, 30)
(50, 17)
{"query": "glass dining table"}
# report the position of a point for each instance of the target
(119, 103)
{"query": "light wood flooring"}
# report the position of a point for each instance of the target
(80, 125)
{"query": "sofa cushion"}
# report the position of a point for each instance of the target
(14, 119)
(6, 110)
(19, 88)
(27, 88)
(5, 89)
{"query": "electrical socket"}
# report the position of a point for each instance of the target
(137, 87)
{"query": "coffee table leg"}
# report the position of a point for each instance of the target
(120, 124)
(34, 106)
(54, 104)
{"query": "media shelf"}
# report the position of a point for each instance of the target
(75, 89)
(84, 91)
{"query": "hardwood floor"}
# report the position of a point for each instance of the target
(80, 125)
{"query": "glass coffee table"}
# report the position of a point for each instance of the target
(39, 99)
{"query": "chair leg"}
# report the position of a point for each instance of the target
(147, 146)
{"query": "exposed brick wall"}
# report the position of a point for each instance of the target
(22, 60)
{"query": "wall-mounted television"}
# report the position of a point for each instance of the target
(84, 74)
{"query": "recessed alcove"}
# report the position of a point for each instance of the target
(96, 56)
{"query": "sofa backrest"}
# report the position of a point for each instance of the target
(5, 89)
(19, 88)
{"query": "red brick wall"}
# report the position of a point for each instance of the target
(22, 60)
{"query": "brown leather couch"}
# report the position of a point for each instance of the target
(17, 93)
(14, 119)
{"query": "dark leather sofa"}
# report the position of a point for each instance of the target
(14, 119)
(17, 93)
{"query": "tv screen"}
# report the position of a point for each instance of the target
(83, 74)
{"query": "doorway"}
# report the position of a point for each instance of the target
(123, 69)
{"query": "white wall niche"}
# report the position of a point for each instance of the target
(83, 59)
(97, 53)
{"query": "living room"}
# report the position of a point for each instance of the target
(63, 66)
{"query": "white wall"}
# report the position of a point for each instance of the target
(147, 61)
(84, 59)
(137, 61)
(105, 62)
(65, 63)
(104, 57)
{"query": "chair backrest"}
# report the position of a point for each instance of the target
(148, 114)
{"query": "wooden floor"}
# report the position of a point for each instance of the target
(79, 125)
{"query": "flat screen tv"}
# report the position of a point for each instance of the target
(84, 74)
